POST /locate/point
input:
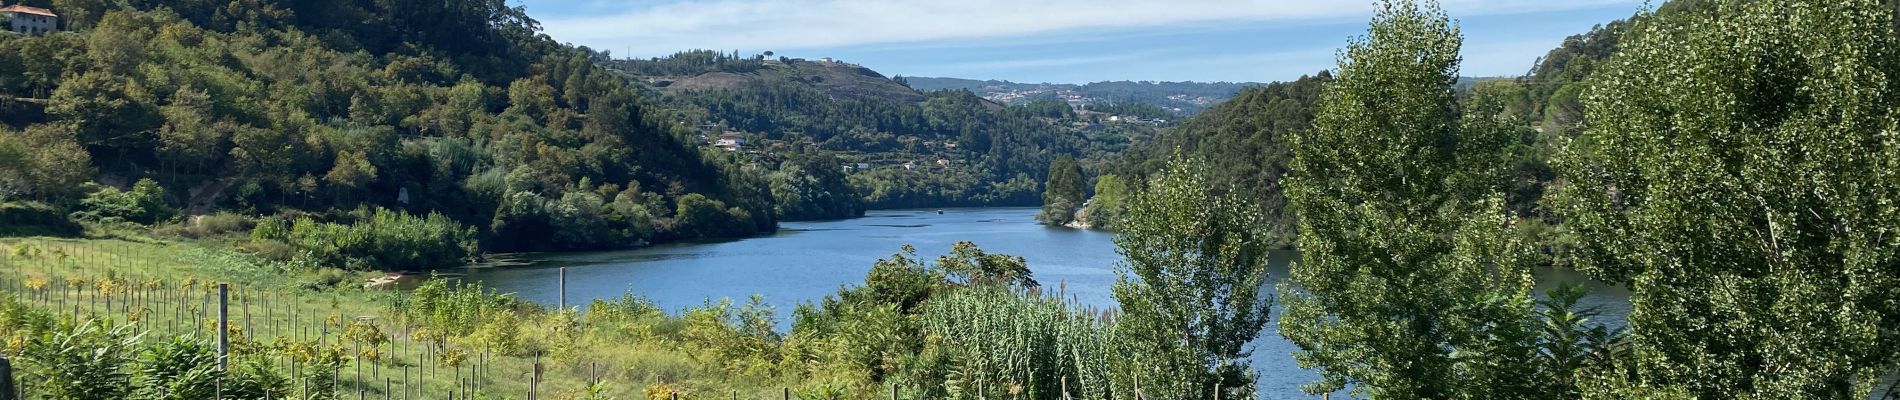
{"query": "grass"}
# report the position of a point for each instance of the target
(166, 288)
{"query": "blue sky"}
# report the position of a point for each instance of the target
(1063, 41)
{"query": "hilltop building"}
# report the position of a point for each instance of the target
(731, 141)
(30, 20)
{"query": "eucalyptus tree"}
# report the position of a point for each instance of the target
(1411, 283)
(1741, 172)
(1197, 294)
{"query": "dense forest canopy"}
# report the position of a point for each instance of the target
(929, 149)
(325, 107)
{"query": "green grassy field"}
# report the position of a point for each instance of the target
(386, 347)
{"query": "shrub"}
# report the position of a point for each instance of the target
(81, 361)
(209, 225)
(385, 240)
(144, 204)
(35, 219)
(180, 368)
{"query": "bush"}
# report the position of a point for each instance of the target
(203, 226)
(144, 204)
(81, 361)
(35, 219)
(384, 240)
(179, 368)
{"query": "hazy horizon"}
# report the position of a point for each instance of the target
(1060, 41)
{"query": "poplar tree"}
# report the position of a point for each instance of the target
(1411, 283)
(1740, 171)
(1192, 289)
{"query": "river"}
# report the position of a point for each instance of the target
(804, 261)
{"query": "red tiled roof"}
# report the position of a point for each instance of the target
(16, 8)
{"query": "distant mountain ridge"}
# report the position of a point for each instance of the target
(1185, 98)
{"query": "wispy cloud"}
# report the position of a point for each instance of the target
(654, 29)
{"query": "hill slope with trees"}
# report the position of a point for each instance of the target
(461, 109)
(899, 147)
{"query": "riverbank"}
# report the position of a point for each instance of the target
(374, 340)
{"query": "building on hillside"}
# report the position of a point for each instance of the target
(731, 141)
(30, 20)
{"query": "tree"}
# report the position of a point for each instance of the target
(1110, 203)
(42, 162)
(1411, 283)
(972, 266)
(1064, 192)
(1739, 172)
(1191, 289)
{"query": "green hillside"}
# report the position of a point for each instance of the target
(312, 109)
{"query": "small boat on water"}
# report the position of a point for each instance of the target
(939, 212)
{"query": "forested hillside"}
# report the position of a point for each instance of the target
(314, 109)
(901, 147)
(1181, 98)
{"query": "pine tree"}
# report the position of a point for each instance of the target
(1063, 195)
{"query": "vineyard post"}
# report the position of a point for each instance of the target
(224, 326)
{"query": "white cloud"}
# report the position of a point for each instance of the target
(757, 25)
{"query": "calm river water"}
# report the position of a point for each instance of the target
(805, 261)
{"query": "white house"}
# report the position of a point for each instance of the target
(731, 141)
(30, 20)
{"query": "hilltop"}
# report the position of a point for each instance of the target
(1182, 98)
(897, 146)
(839, 80)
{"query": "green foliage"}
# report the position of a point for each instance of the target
(384, 239)
(42, 162)
(1246, 137)
(1110, 204)
(267, 105)
(1737, 171)
(1064, 193)
(1138, 110)
(451, 309)
(1192, 287)
(699, 217)
(1013, 346)
(1412, 284)
(144, 204)
(814, 187)
(737, 340)
(35, 219)
(181, 368)
(81, 361)
(971, 266)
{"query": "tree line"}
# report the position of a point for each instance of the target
(267, 107)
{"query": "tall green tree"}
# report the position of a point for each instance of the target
(1110, 203)
(1741, 172)
(1064, 193)
(1411, 284)
(1191, 289)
